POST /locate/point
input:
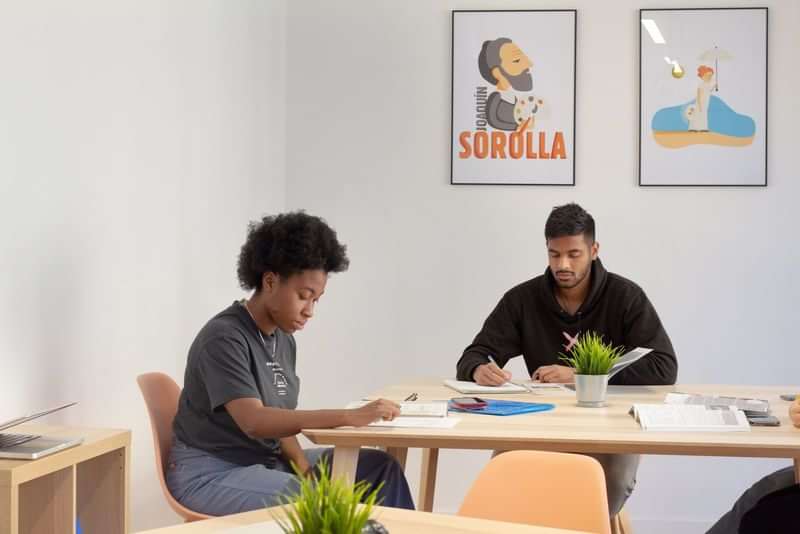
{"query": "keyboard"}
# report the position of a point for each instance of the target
(11, 440)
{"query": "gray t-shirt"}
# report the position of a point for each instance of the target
(229, 359)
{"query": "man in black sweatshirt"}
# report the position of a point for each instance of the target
(544, 316)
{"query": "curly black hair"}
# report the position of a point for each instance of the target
(288, 244)
(569, 219)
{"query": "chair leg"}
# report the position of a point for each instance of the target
(621, 523)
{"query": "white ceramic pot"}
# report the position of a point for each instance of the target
(591, 390)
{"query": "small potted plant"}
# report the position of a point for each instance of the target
(592, 359)
(326, 505)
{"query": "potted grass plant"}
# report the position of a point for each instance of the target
(326, 505)
(592, 359)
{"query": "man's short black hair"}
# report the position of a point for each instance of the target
(569, 219)
(288, 244)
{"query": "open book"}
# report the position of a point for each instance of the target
(748, 406)
(690, 417)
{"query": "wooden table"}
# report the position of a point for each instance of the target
(568, 428)
(90, 480)
(396, 521)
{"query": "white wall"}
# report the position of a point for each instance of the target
(368, 146)
(137, 139)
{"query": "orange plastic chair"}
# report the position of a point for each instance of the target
(161, 394)
(550, 489)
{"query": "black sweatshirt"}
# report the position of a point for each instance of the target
(528, 320)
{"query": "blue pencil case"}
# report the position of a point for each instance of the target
(502, 407)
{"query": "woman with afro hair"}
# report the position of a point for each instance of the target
(236, 425)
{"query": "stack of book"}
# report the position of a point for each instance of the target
(748, 406)
(704, 413)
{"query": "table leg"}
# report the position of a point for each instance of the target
(345, 461)
(398, 453)
(427, 479)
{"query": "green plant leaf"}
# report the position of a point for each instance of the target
(591, 356)
(326, 505)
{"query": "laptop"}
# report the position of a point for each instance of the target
(32, 446)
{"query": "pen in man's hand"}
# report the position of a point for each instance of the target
(491, 360)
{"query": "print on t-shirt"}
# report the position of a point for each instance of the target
(571, 341)
(278, 378)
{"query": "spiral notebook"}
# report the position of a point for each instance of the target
(503, 407)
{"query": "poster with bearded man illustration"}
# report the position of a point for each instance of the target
(513, 101)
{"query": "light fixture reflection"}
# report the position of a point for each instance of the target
(652, 29)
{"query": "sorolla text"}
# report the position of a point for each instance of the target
(512, 145)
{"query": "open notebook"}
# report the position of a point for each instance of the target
(462, 386)
(413, 409)
(432, 414)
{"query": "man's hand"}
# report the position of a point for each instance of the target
(489, 374)
(554, 373)
(377, 410)
(794, 412)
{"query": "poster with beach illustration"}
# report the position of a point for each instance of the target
(703, 97)
(513, 100)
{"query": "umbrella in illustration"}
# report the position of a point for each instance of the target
(717, 54)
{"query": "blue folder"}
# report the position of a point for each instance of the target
(503, 407)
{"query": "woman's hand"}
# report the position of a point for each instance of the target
(377, 410)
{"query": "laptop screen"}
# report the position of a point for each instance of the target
(30, 417)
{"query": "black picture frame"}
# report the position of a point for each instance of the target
(721, 178)
(533, 180)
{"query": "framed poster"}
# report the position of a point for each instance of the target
(703, 97)
(513, 97)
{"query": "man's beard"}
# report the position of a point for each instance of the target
(521, 82)
(579, 277)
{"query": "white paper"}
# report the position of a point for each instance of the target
(419, 422)
(462, 386)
